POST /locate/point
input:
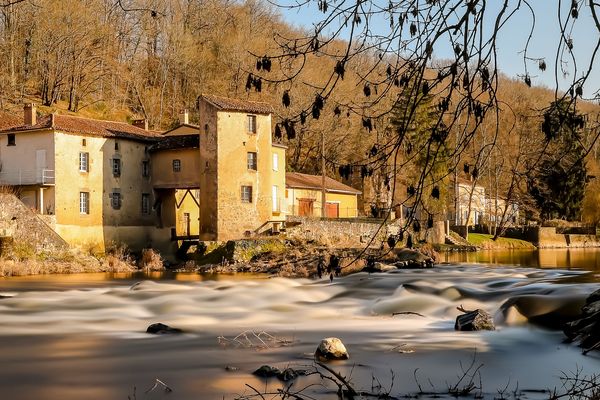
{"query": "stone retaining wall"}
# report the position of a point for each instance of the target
(338, 232)
(21, 225)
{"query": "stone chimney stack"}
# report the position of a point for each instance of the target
(29, 114)
(140, 123)
(184, 117)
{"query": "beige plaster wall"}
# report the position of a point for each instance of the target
(234, 142)
(161, 167)
(278, 180)
(103, 224)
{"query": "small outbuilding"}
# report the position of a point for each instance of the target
(303, 195)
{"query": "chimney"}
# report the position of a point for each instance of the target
(29, 114)
(184, 117)
(140, 123)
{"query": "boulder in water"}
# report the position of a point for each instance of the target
(586, 329)
(162, 329)
(477, 320)
(409, 258)
(266, 371)
(331, 349)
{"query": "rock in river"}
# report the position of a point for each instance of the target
(409, 258)
(161, 329)
(266, 371)
(586, 329)
(331, 349)
(477, 320)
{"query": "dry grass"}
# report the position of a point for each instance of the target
(151, 260)
(118, 259)
(11, 267)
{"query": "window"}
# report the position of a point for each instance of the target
(116, 167)
(176, 165)
(246, 194)
(145, 203)
(252, 161)
(276, 207)
(84, 159)
(115, 199)
(84, 202)
(145, 168)
(252, 123)
(83, 142)
(275, 162)
(11, 140)
(116, 146)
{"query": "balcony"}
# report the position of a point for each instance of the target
(22, 177)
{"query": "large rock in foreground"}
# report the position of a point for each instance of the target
(331, 349)
(586, 330)
(477, 320)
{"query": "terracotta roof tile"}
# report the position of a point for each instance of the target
(305, 181)
(10, 120)
(226, 104)
(177, 142)
(71, 124)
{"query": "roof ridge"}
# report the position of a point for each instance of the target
(93, 119)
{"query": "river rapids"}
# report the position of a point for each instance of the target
(84, 338)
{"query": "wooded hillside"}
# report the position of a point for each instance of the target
(127, 59)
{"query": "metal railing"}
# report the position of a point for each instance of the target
(27, 177)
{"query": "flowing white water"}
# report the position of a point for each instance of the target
(74, 340)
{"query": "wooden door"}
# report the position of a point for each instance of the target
(305, 207)
(332, 210)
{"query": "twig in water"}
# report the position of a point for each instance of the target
(159, 382)
(351, 391)
(408, 313)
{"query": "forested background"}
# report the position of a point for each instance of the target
(122, 60)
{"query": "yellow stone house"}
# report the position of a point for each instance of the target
(304, 197)
(242, 180)
(89, 179)
(97, 182)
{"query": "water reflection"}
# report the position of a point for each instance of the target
(584, 259)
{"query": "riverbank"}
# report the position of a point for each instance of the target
(486, 242)
(117, 260)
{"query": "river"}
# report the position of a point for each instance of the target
(76, 337)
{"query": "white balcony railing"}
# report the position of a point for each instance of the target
(27, 177)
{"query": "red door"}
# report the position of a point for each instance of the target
(305, 207)
(332, 210)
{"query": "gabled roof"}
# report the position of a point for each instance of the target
(296, 180)
(95, 127)
(226, 104)
(177, 142)
(9, 120)
(190, 126)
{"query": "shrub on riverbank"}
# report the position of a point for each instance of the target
(21, 259)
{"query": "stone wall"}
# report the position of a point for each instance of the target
(548, 237)
(339, 232)
(19, 224)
